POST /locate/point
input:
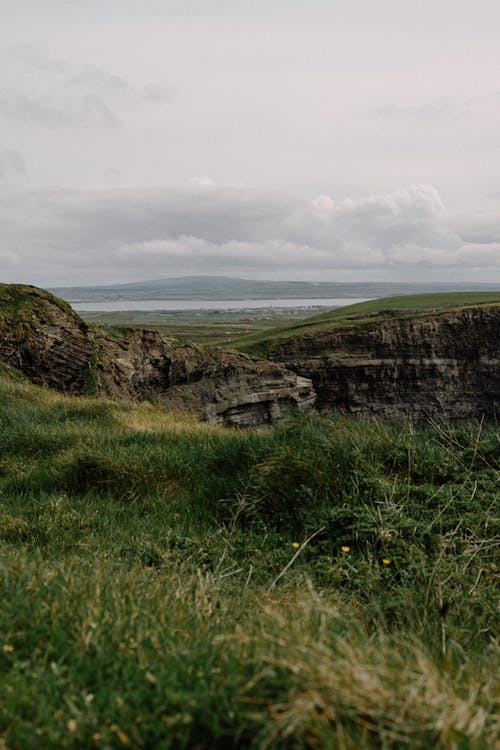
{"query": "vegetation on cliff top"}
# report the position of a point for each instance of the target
(327, 583)
(21, 300)
(366, 313)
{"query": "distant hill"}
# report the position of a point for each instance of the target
(225, 288)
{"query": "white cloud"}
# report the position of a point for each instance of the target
(55, 236)
(289, 95)
(202, 182)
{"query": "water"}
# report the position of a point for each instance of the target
(159, 305)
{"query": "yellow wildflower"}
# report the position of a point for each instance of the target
(295, 545)
(386, 561)
(345, 548)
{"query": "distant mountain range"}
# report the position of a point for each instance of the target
(225, 288)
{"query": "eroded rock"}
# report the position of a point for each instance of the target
(444, 365)
(42, 336)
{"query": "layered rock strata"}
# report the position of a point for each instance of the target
(43, 337)
(219, 385)
(444, 365)
(440, 365)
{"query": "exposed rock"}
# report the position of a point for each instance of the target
(43, 337)
(444, 365)
(440, 365)
(219, 385)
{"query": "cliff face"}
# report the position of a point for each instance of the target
(218, 385)
(43, 337)
(444, 365)
(438, 366)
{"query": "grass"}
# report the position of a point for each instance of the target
(210, 327)
(364, 313)
(19, 301)
(327, 583)
(259, 331)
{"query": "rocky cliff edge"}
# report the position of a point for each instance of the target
(44, 338)
(443, 365)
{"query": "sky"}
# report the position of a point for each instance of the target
(283, 139)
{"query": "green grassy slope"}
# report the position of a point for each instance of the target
(202, 327)
(364, 313)
(18, 302)
(327, 583)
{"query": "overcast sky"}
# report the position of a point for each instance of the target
(295, 139)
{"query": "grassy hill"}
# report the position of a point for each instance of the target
(328, 583)
(364, 313)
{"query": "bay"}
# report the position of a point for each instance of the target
(200, 304)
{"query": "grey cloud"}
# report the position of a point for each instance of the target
(55, 94)
(120, 235)
(158, 93)
(437, 110)
(12, 166)
(427, 112)
(93, 80)
(54, 112)
(485, 230)
(32, 56)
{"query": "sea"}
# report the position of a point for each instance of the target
(168, 305)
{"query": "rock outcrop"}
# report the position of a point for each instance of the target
(442, 365)
(421, 366)
(220, 386)
(42, 336)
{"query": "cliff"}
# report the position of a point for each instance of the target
(44, 338)
(421, 366)
(393, 363)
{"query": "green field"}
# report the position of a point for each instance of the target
(210, 327)
(364, 313)
(256, 331)
(327, 583)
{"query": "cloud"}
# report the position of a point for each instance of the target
(8, 259)
(57, 112)
(410, 214)
(157, 92)
(61, 236)
(483, 230)
(12, 166)
(53, 93)
(440, 110)
(202, 182)
(31, 56)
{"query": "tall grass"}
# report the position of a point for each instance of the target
(328, 583)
